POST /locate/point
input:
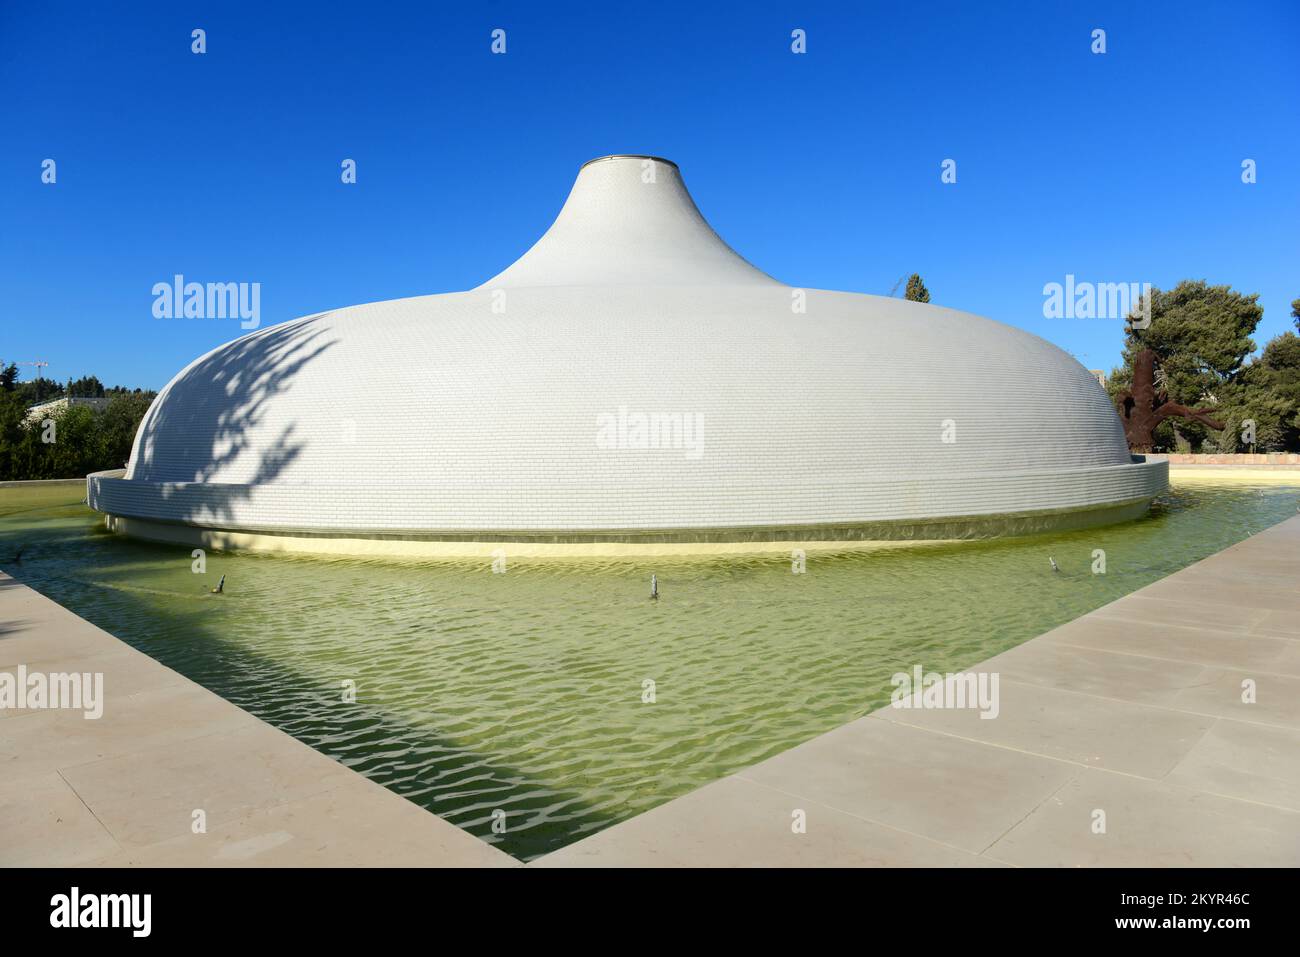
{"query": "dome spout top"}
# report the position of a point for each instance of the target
(629, 220)
(614, 157)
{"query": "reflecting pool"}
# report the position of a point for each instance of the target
(528, 692)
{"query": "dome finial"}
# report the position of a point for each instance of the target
(629, 220)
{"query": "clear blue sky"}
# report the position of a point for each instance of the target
(822, 169)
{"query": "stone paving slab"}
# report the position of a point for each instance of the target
(1278, 623)
(1080, 728)
(122, 789)
(948, 789)
(145, 797)
(340, 827)
(736, 822)
(1257, 595)
(55, 740)
(1134, 711)
(1149, 824)
(1144, 608)
(1246, 761)
(133, 673)
(44, 824)
(1186, 643)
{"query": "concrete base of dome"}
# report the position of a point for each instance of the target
(659, 544)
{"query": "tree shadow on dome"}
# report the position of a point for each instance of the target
(205, 425)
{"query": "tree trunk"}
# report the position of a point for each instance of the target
(1141, 409)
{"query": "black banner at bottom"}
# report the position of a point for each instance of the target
(335, 907)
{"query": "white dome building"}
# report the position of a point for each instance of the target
(630, 383)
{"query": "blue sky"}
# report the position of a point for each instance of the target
(823, 169)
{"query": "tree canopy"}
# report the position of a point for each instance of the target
(916, 291)
(1201, 335)
(85, 439)
(1267, 393)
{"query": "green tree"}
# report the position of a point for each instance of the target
(916, 291)
(85, 439)
(1201, 334)
(1295, 313)
(118, 424)
(12, 411)
(78, 446)
(39, 390)
(87, 386)
(1267, 394)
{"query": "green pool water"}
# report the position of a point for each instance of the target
(522, 692)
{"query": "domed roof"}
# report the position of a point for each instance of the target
(631, 377)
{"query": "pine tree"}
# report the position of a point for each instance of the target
(916, 291)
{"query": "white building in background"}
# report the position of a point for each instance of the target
(43, 410)
(630, 382)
